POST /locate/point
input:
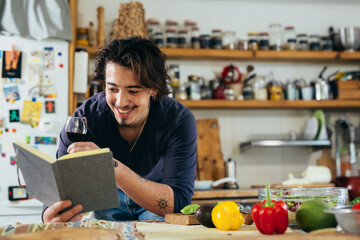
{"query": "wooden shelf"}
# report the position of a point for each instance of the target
(223, 54)
(269, 104)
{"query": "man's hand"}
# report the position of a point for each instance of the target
(82, 146)
(52, 214)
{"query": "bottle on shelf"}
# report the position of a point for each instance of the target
(302, 42)
(216, 39)
(290, 38)
(195, 37)
(275, 36)
(182, 38)
(253, 40)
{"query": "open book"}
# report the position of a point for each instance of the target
(86, 177)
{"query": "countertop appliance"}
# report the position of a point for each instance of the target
(33, 109)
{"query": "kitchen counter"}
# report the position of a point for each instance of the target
(243, 196)
(91, 229)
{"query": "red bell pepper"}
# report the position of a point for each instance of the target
(356, 206)
(270, 216)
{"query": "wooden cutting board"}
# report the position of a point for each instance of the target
(210, 165)
(181, 219)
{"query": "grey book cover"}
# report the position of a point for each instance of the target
(87, 177)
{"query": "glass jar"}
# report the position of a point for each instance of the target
(264, 41)
(216, 39)
(82, 36)
(182, 38)
(195, 37)
(171, 24)
(314, 42)
(253, 40)
(174, 74)
(326, 43)
(188, 25)
(205, 41)
(228, 40)
(275, 36)
(159, 39)
(195, 92)
(259, 88)
(171, 38)
(302, 42)
(181, 94)
(290, 38)
(153, 26)
(244, 43)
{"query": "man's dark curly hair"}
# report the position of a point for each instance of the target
(137, 54)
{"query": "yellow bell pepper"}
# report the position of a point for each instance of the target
(227, 216)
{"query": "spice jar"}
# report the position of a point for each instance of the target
(181, 94)
(82, 36)
(195, 93)
(195, 37)
(171, 24)
(244, 43)
(171, 38)
(326, 43)
(253, 40)
(159, 39)
(275, 36)
(174, 74)
(228, 40)
(153, 26)
(216, 39)
(205, 41)
(290, 38)
(264, 41)
(182, 38)
(302, 42)
(259, 88)
(314, 42)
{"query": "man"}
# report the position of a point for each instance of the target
(152, 136)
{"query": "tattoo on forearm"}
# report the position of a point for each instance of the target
(162, 203)
(116, 163)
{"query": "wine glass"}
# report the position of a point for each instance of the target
(76, 128)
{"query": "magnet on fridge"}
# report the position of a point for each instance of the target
(13, 130)
(50, 106)
(6, 130)
(59, 54)
(3, 154)
(46, 125)
(34, 99)
(14, 115)
(50, 95)
(13, 160)
(27, 139)
(61, 65)
(45, 140)
(1, 122)
(0, 132)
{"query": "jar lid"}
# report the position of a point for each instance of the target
(193, 78)
(82, 30)
(189, 23)
(275, 25)
(324, 37)
(264, 34)
(204, 35)
(153, 21)
(158, 33)
(171, 22)
(216, 30)
(170, 30)
(195, 28)
(302, 35)
(252, 33)
(183, 31)
(314, 36)
(289, 27)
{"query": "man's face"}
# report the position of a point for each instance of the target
(126, 96)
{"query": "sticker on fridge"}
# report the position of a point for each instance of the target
(31, 113)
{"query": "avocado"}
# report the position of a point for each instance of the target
(311, 216)
(203, 215)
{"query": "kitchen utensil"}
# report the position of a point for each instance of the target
(350, 38)
(208, 184)
(293, 197)
(347, 218)
(311, 128)
(321, 132)
(230, 168)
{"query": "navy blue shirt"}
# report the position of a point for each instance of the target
(165, 152)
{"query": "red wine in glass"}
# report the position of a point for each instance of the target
(76, 128)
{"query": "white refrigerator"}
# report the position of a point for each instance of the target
(33, 109)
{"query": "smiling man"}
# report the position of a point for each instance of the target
(152, 136)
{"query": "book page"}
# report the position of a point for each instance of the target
(84, 153)
(35, 152)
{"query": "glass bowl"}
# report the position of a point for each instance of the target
(347, 218)
(336, 196)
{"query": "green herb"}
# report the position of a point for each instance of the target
(190, 209)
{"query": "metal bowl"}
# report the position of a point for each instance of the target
(347, 218)
(350, 38)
